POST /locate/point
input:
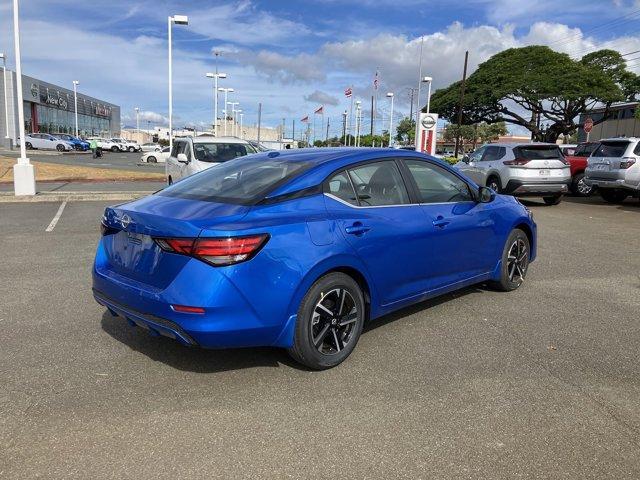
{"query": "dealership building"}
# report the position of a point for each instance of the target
(49, 108)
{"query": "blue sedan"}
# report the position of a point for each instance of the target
(77, 143)
(299, 249)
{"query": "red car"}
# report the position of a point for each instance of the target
(577, 163)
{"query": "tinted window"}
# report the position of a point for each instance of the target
(494, 153)
(636, 151)
(379, 183)
(436, 185)
(585, 149)
(340, 186)
(611, 149)
(220, 152)
(477, 155)
(538, 152)
(243, 181)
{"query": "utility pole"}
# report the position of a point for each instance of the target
(326, 137)
(344, 128)
(411, 93)
(282, 135)
(259, 120)
(293, 131)
(464, 80)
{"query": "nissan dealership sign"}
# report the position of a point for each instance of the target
(426, 141)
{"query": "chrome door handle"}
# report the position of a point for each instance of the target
(357, 229)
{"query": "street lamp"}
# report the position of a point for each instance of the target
(6, 101)
(215, 77)
(137, 119)
(24, 178)
(390, 95)
(226, 91)
(178, 20)
(75, 102)
(241, 117)
(418, 110)
(233, 111)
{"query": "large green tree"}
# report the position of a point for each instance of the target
(539, 89)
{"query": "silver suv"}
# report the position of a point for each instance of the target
(527, 169)
(614, 167)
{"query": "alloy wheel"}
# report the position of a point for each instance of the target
(517, 261)
(583, 188)
(333, 321)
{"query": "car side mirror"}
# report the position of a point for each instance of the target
(182, 158)
(486, 195)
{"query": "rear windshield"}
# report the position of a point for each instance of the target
(242, 181)
(220, 152)
(541, 152)
(611, 149)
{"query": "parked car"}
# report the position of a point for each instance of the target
(44, 141)
(578, 164)
(614, 167)
(105, 144)
(300, 249)
(191, 155)
(527, 169)
(151, 147)
(127, 145)
(77, 143)
(155, 157)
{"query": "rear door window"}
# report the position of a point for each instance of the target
(611, 149)
(538, 152)
(340, 186)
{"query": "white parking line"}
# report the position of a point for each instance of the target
(57, 216)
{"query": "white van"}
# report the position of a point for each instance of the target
(192, 155)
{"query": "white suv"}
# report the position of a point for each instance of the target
(527, 169)
(126, 145)
(614, 167)
(191, 155)
(105, 144)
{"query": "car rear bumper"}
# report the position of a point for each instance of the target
(610, 183)
(520, 188)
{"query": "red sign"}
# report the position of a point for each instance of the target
(588, 125)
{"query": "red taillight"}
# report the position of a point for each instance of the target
(187, 309)
(627, 162)
(216, 251)
(516, 161)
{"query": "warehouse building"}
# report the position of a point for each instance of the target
(49, 108)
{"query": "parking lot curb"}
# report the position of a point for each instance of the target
(6, 197)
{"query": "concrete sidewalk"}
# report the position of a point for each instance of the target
(82, 191)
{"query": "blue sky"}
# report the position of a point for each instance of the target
(291, 55)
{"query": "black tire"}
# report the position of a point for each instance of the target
(60, 147)
(613, 195)
(512, 277)
(493, 182)
(132, 149)
(115, 149)
(28, 146)
(554, 200)
(151, 159)
(579, 187)
(330, 321)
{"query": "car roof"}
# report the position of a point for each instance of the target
(527, 144)
(620, 139)
(208, 139)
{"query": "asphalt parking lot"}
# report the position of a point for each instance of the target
(118, 160)
(543, 382)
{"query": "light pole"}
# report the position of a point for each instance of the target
(241, 117)
(75, 102)
(226, 91)
(390, 95)
(24, 179)
(233, 111)
(178, 20)
(358, 122)
(418, 109)
(215, 77)
(6, 101)
(137, 119)
(238, 130)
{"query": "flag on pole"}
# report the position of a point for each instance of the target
(375, 81)
(348, 92)
(305, 119)
(320, 110)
